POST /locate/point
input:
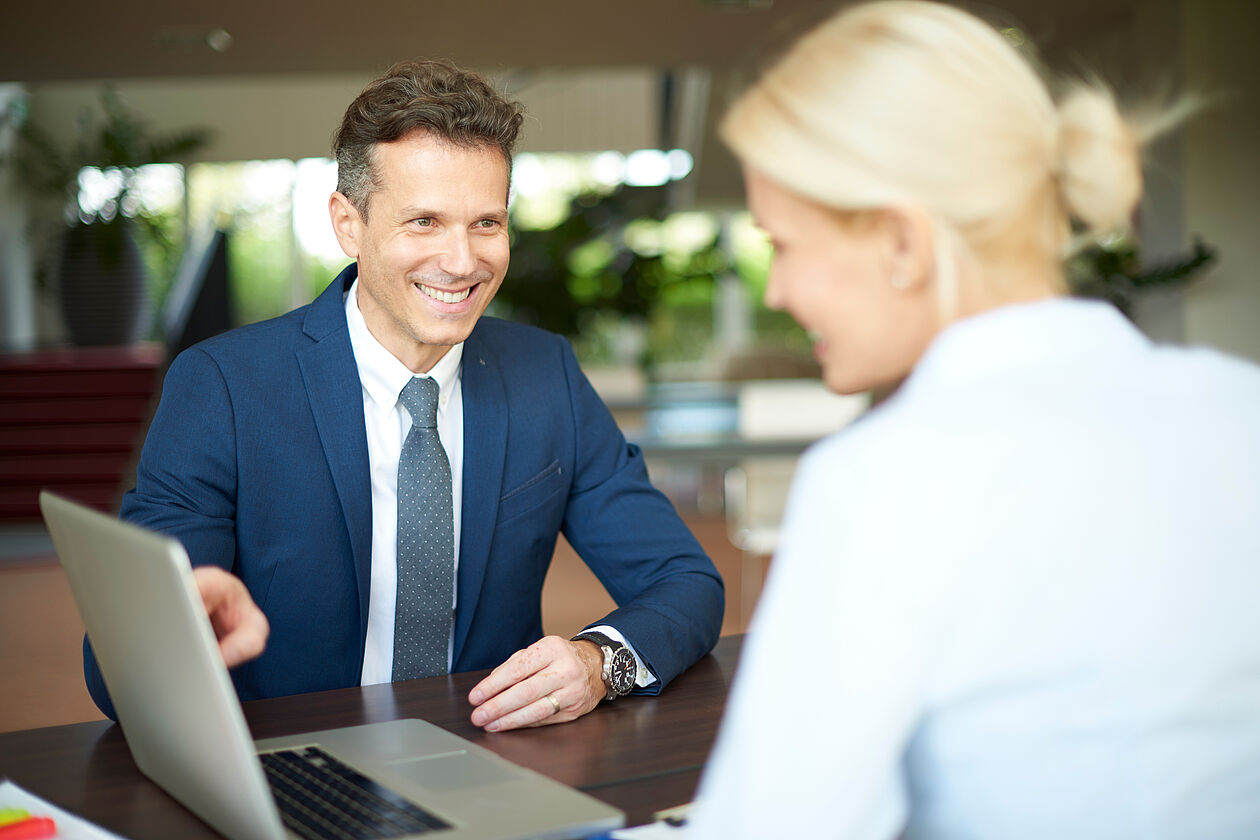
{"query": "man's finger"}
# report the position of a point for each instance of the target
(541, 712)
(519, 666)
(247, 640)
(518, 696)
(239, 625)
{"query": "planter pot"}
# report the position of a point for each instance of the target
(104, 286)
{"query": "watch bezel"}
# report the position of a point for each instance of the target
(618, 681)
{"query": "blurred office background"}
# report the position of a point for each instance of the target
(629, 235)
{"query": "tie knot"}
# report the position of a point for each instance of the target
(420, 396)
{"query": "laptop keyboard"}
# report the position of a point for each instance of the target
(320, 798)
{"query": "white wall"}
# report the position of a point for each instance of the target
(265, 117)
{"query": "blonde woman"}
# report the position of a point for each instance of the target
(1019, 598)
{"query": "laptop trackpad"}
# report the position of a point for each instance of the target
(453, 771)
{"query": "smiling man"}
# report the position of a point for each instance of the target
(371, 487)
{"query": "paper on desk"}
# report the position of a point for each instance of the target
(69, 827)
(651, 831)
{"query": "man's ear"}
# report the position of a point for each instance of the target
(912, 256)
(346, 222)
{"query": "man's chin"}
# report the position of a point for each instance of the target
(446, 334)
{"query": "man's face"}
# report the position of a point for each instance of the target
(434, 248)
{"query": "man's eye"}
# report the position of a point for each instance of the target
(425, 222)
(488, 223)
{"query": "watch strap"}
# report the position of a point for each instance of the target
(598, 638)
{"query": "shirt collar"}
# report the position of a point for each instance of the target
(382, 374)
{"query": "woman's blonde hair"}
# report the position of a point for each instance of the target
(904, 101)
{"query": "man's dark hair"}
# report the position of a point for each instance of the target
(431, 96)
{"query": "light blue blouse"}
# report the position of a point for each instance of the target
(1020, 599)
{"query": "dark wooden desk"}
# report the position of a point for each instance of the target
(639, 754)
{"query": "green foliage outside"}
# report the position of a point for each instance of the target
(251, 201)
(625, 281)
(161, 242)
(616, 259)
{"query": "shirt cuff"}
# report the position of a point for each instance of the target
(643, 676)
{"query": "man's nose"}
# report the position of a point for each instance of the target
(458, 258)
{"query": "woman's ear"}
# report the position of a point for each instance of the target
(912, 258)
(346, 223)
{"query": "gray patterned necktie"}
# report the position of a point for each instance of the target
(426, 541)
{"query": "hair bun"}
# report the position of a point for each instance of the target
(1100, 171)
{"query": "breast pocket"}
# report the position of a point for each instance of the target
(546, 487)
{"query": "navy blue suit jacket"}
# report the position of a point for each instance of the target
(257, 461)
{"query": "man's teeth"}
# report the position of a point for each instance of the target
(445, 297)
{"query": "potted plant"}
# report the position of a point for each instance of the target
(97, 268)
(1113, 271)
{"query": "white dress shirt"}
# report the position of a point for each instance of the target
(1018, 600)
(383, 377)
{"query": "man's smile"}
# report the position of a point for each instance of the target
(445, 297)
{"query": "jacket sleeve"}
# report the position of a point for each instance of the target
(186, 478)
(669, 594)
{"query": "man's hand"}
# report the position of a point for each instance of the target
(551, 681)
(239, 625)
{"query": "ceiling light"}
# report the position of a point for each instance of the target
(216, 38)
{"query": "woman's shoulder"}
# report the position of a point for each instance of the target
(885, 438)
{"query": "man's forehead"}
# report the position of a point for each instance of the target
(420, 153)
(421, 175)
(424, 139)
(406, 165)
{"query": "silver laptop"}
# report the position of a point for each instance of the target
(183, 721)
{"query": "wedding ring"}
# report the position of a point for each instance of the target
(554, 702)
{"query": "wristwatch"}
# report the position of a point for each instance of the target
(619, 664)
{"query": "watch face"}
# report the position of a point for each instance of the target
(621, 674)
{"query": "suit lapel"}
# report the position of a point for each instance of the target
(336, 399)
(485, 447)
